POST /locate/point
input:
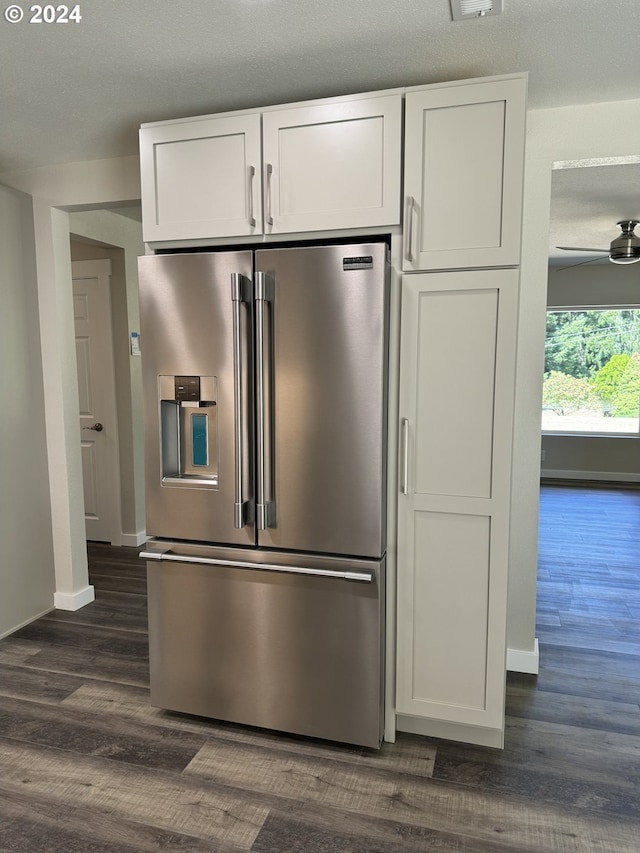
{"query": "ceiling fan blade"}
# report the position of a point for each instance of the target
(579, 249)
(579, 264)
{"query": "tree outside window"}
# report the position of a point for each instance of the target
(592, 372)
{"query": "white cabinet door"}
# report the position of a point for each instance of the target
(464, 159)
(456, 411)
(333, 165)
(200, 179)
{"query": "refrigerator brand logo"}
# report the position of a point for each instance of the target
(362, 262)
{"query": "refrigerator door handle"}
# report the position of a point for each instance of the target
(366, 576)
(240, 292)
(265, 505)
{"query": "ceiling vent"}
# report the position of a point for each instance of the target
(461, 10)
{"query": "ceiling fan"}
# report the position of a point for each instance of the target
(624, 249)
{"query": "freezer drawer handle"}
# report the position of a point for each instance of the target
(168, 555)
(265, 505)
(240, 292)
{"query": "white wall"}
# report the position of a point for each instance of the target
(91, 184)
(592, 131)
(55, 302)
(598, 285)
(27, 564)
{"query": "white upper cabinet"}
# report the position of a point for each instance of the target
(333, 165)
(464, 160)
(325, 165)
(201, 178)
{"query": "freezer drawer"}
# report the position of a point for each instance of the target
(267, 644)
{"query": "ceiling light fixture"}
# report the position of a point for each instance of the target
(625, 249)
(462, 10)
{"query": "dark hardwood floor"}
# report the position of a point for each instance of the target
(87, 766)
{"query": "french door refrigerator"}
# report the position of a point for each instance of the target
(265, 377)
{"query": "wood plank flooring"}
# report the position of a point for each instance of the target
(87, 766)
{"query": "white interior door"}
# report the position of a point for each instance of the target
(96, 387)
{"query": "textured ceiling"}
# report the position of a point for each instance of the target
(586, 204)
(79, 91)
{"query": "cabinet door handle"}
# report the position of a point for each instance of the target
(404, 478)
(252, 219)
(269, 174)
(411, 204)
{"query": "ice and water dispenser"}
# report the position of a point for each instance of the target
(189, 431)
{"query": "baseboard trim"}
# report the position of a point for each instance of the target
(134, 540)
(519, 661)
(74, 600)
(26, 622)
(460, 732)
(607, 476)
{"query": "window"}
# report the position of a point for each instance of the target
(592, 372)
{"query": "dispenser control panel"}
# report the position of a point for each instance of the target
(189, 431)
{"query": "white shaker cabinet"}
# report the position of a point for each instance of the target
(464, 146)
(333, 165)
(456, 414)
(201, 178)
(317, 166)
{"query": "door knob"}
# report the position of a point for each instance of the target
(96, 427)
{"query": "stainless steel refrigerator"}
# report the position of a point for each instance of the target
(265, 379)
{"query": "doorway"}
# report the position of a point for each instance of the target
(110, 237)
(589, 510)
(96, 392)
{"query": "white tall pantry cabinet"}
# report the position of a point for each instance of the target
(464, 154)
